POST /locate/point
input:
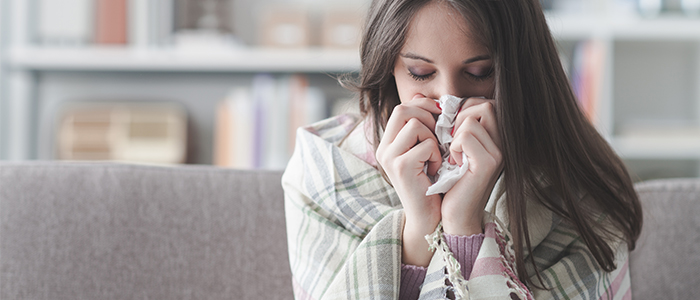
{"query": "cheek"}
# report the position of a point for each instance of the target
(490, 89)
(407, 87)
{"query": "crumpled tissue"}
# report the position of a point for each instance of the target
(448, 174)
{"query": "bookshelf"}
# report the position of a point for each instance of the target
(43, 77)
(648, 102)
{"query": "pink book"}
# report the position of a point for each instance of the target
(111, 22)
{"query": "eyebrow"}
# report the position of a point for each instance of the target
(468, 61)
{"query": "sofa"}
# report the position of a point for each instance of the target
(121, 231)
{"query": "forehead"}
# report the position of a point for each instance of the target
(440, 25)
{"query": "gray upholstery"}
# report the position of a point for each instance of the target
(114, 231)
(666, 263)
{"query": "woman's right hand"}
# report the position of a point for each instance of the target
(407, 145)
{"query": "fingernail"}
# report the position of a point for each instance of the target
(452, 133)
(438, 105)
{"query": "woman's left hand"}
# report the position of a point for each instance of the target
(476, 135)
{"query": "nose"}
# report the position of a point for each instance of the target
(451, 85)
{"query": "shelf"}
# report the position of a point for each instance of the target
(632, 27)
(102, 58)
(658, 147)
(673, 27)
(570, 26)
(185, 60)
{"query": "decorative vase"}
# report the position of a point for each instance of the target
(691, 7)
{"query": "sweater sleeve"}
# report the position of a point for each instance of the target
(411, 280)
(465, 250)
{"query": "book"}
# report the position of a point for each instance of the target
(222, 134)
(276, 154)
(297, 108)
(65, 22)
(165, 24)
(150, 23)
(138, 23)
(242, 142)
(264, 95)
(111, 22)
(587, 76)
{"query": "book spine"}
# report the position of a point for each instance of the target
(578, 77)
(222, 142)
(166, 22)
(297, 107)
(153, 16)
(111, 22)
(66, 22)
(242, 139)
(138, 23)
(586, 78)
(258, 128)
(263, 90)
(316, 108)
(277, 152)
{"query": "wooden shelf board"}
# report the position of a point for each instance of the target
(664, 27)
(657, 147)
(191, 60)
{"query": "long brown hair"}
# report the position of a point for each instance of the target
(551, 152)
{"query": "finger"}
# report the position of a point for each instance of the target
(413, 133)
(483, 111)
(426, 103)
(473, 101)
(476, 153)
(470, 126)
(403, 113)
(428, 152)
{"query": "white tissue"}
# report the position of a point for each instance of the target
(448, 174)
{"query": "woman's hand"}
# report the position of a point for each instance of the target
(407, 145)
(476, 135)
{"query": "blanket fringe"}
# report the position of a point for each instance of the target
(436, 240)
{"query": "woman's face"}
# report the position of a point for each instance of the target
(440, 58)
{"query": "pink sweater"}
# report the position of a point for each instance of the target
(465, 250)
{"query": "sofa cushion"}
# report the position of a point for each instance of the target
(117, 231)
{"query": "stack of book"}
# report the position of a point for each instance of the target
(124, 131)
(256, 125)
(105, 22)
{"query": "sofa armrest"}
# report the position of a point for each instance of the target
(665, 263)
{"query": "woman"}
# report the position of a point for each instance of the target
(545, 209)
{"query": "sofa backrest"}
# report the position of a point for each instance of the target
(114, 231)
(666, 262)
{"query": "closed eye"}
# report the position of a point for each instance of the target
(482, 77)
(420, 77)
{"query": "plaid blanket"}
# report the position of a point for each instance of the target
(344, 225)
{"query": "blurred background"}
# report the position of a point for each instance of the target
(227, 82)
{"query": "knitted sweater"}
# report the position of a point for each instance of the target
(465, 249)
